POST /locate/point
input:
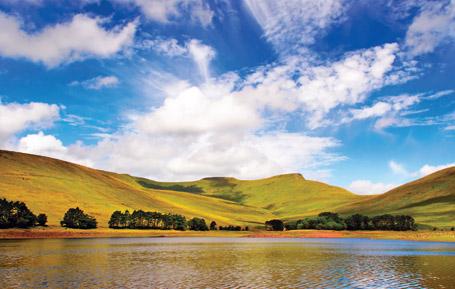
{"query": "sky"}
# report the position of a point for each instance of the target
(359, 94)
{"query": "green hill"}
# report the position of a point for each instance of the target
(287, 196)
(52, 186)
(430, 200)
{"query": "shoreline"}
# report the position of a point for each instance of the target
(65, 233)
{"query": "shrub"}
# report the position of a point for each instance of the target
(76, 218)
(42, 219)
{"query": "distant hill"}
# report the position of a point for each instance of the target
(52, 186)
(288, 196)
(430, 200)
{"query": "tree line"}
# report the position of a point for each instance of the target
(333, 221)
(15, 214)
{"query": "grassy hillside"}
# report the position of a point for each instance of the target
(430, 200)
(52, 186)
(287, 196)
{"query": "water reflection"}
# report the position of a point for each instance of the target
(225, 263)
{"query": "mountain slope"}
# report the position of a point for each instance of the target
(430, 200)
(52, 186)
(288, 196)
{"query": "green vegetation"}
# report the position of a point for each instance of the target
(332, 221)
(16, 215)
(430, 200)
(147, 220)
(274, 225)
(76, 218)
(288, 196)
(41, 219)
(227, 201)
(197, 224)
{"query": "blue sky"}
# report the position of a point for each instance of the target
(359, 94)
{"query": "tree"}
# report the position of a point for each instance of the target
(15, 214)
(42, 219)
(357, 222)
(274, 225)
(213, 226)
(197, 224)
(116, 220)
(76, 218)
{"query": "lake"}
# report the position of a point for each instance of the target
(225, 263)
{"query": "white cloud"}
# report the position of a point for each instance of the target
(429, 169)
(433, 26)
(98, 82)
(423, 171)
(202, 55)
(80, 38)
(15, 117)
(450, 127)
(169, 47)
(291, 25)
(41, 144)
(318, 89)
(169, 10)
(398, 169)
(199, 52)
(48, 145)
(365, 187)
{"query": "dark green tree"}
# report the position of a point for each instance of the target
(197, 224)
(213, 226)
(274, 225)
(76, 218)
(41, 219)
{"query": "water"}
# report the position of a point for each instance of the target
(225, 263)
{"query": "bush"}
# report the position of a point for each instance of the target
(197, 224)
(274, 225)
(42, 219)
(15, 215)
(77, 219)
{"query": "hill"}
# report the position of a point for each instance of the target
(52, 186)
(288, 196)
(430, 200)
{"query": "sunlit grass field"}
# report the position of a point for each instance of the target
(52, 186)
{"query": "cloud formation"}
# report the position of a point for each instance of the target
(433, 26)
(16, 117)
(365, 187)
(169, 10)
(98, 82)
(80, 38)
(292, 25)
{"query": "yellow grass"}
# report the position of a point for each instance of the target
(59, 232)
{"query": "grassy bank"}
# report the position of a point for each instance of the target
(58, 232)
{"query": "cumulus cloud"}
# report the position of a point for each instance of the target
(318, 89)
(16, 117)
(429, 169)
(98, 82)
(433, 26)
(426, 169)
(77, 39)
(366, 187)
(48, 145)
(169, 10)
(295, 24)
